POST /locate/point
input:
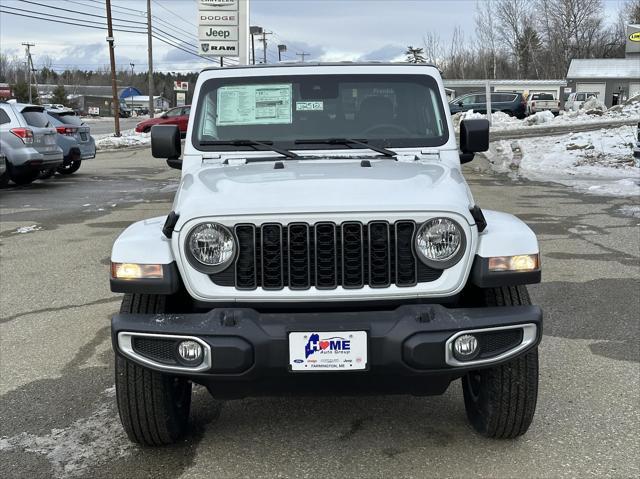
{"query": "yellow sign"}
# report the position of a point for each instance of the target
(635, 37)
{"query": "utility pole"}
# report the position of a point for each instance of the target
(150, 49)
(133, 65)
(264, 46)
(29, 67)
(112, 57)
(303, 54)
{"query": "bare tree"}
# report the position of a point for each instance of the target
(432, 48)
(511, 16)
(487, 35)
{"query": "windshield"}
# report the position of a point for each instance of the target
(542, 96)
(385, 110)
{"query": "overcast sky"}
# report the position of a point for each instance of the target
(329, 30)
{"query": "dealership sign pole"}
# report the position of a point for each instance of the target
(223, 29)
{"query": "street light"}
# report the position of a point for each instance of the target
(254, 30)
(281, 50)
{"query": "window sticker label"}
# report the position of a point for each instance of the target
(254, 105)
(309, 106)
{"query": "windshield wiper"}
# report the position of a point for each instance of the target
(348, 142)
(266, 145)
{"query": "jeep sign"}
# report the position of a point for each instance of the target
(211, 32)
(223, 28)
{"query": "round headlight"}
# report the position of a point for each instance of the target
(211, 245)
(440, 242)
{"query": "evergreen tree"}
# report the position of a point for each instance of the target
(415, 55)
(59, 95)
(21, 92)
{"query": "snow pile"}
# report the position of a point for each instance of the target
(599, 162)
(593, 106)
(27, 229)
(593, 111)
(127, 139)
(539, 118)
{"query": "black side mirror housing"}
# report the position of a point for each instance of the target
(165, 143)
(474, 137)
(460, 103)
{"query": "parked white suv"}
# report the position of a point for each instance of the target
(576, 99)
(323, 239)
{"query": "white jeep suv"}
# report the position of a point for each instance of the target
(324, 239)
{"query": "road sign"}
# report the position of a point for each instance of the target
(223, 28)
(180, 86)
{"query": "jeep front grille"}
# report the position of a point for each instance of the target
(325, 255)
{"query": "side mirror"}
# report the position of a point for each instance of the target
(460, 103)
(165, 143)
(474, 137)
(164, 115)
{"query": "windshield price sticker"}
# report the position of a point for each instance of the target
(309, 106)
(254, 105)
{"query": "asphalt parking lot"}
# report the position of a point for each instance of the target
(57, 406)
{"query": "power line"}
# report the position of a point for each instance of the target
(66, 18)
(174, 14)
(66, 23)
(84, 25)
(80, 13)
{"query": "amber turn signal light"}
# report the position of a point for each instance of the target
(136, 271)
(523, 262)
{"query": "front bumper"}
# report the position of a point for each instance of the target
(409, 348)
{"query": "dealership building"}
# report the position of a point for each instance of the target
(614, 80)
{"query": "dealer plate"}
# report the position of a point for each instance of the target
(328, 351)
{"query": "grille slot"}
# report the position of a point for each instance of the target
(324, 256)
(272, 258)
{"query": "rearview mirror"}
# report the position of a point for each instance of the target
(165, 143)
(474, 137)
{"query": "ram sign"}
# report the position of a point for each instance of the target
(223, 28)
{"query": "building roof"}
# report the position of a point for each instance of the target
(604, 68)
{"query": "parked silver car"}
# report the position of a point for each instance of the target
(74, 137)
(28, 141)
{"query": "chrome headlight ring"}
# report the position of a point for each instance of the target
(440, 242)
(210, 247)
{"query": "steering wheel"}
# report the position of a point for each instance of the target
(387, 126)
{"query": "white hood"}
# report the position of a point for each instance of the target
(323, 186)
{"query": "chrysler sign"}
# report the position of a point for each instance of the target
(223, 28)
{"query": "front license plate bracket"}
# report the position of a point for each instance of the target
(328, 351)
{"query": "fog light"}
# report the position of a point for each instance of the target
(465, 347)
(190, 352)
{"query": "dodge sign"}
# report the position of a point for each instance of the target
(223, 28)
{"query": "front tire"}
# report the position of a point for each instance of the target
(153, 407)
(501, 401)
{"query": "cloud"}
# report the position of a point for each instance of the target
(386, 53)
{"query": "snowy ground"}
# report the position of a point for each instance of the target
(599, 162)
(592, 113)
(128, 139)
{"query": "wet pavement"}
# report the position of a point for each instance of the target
(57, 406)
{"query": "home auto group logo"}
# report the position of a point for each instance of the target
(334, 344)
